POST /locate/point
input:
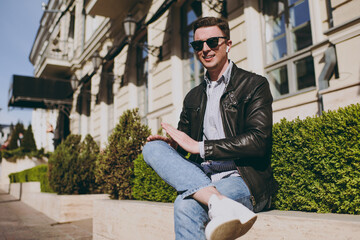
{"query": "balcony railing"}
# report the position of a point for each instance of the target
(62, 51)
(59, 49)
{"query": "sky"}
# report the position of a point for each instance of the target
(19, 23)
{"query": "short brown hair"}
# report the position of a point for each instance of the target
(213, 21)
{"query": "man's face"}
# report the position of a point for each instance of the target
(212, 58)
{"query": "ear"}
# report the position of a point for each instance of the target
(228, 45)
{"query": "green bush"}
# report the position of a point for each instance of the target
(35, 174)
(115, 166)
(86, 165)
(71, 166)
(19, 153)
(39, 154)
(13, 155)
(149, 186)
(316, 162)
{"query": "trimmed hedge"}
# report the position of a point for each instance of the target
(35, 174)
(19, 153)
(316, 162)
(149, 186)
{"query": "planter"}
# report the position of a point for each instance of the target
(119, 219)
(61, 208)
(18, 166)
(128, 219)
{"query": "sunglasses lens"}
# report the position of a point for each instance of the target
(212, 42)
(197, 45)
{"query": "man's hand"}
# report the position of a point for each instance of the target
(186, 142)
(170, 141)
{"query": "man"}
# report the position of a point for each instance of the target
(225, 125)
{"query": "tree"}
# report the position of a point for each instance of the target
(28, 142)
(14, 138)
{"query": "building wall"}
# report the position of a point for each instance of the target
(168, 80)
(42, 121)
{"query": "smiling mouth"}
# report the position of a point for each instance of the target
(208, 56)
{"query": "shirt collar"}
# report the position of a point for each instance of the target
(225, 77)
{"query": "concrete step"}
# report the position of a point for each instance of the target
(126, 219)
(284, 225)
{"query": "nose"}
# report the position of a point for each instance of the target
(206, 47)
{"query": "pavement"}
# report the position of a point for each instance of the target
(19, 221)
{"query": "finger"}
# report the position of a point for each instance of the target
(172, 132)
(155, 137)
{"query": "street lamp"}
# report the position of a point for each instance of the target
(74, 82)
(96, 60)
(129, 26)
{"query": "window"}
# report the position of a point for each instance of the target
(72, 24)
(194, 72)
(290, 66)
(84, 100)
(105, 93)
(142, 78)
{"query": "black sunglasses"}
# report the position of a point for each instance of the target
(212, 42)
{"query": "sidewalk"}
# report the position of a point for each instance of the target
(18, 221)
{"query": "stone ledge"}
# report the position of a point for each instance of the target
(61, 208)
(127, 219)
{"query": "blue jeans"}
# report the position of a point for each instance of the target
(187, 178)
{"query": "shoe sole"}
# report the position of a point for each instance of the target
(230, 229)
(246, 226)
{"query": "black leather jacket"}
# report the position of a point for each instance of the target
(247, 119)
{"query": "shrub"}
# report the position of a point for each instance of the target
(71, 166)
(148, 185)
(35, 174)
(13, 154)
(316, 162)
(86, 165)
(62, 164)
(19, 153)
(39, 154)
(115, 167)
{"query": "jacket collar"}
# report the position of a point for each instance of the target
(224, 77)
(236, 76)
(228, 76)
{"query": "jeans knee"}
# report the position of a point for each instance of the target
(150, 149)
(146, 151)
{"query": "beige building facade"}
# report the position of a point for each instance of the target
(307, 49)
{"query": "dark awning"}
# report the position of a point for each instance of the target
(31, 92)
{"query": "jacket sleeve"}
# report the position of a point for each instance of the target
(255, 139)
(183, 126)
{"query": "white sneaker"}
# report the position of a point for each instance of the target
(229, 219)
